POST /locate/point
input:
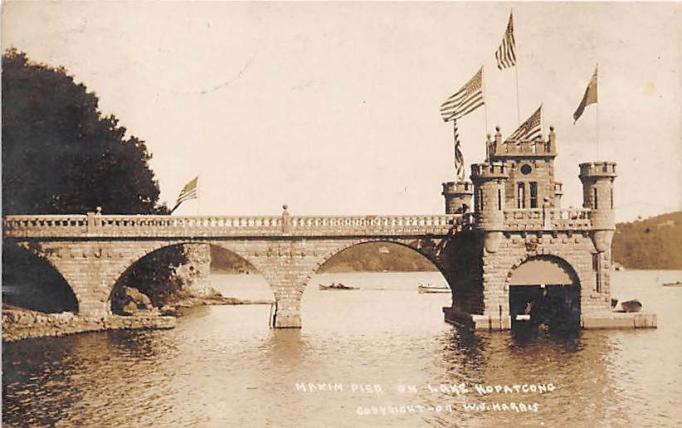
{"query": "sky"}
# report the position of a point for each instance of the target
(333, 108)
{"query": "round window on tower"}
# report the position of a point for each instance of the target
(526, 169)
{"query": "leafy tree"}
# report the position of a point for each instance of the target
(61, 155)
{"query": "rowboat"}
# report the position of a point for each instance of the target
(673, 284)
(433, 289)
(631, 306)
(335, 286)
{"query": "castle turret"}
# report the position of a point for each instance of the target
(457, 196)
(597, 179)
(489, 199)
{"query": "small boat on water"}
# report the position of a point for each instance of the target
(673, 284)
(335, 286)
(433, 288)
(631, 306)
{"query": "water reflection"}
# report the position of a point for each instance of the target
(223, 366)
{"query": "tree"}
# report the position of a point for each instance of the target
(61, 155)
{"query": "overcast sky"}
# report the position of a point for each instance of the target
(334, 108)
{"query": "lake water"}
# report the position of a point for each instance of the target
(384, 350)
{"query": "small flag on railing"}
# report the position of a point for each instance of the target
(529, 130)
(590, 96)
(506, 53)
(464, 101)
(190, 191)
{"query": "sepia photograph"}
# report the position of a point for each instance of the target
(341, 214)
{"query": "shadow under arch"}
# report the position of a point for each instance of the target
(545, 289)
(33, 282)
(164, 272)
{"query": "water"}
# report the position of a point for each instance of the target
(223, 366)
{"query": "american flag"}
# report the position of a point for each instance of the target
(506, 53)
(529, 130)
(464, 101)
(189, 191)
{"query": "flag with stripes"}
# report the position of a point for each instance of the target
(464, 101)
(529, 130)
(590, 96)
(506, 53)
(189, 191)
(459, 157)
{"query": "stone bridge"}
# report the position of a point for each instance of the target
(92, 251)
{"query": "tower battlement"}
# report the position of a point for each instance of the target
(489, 170)
(457, 196)
(498, 150)
(597, 169)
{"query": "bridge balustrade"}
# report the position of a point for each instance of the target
(209, 226)
(547, 219)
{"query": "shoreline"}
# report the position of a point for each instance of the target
(20, 323)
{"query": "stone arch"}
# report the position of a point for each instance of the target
(417, 245)
(546, 289)
(545, 257)
(26, 263)
(142, 252)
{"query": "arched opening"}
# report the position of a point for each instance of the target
(376, 285)
(31, 282)
(188, 275)
(544, 290)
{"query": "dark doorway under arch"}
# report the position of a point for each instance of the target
(545, 290)
(31, 282)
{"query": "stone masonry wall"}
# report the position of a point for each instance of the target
(576, 249)
(92, 268)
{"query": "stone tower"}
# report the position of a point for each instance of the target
(457, 196)
(523, 257)
(530, 166)
(490, 187)
(597, 179)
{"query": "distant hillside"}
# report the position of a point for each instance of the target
(378, 257)
(652, 243)
(371, 257)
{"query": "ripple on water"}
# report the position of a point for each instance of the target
(223, 366)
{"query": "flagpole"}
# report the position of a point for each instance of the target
(518, 108)
(454, 136)
(516, 76)
(485, 106)
(198, 198)
(597, 111)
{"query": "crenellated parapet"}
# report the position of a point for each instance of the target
(499, 149)
(457, 196)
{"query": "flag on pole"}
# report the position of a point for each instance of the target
(529, 130)
(190, 191)
(506, 53)
(459, 157)
(590, 97)
(464, 101)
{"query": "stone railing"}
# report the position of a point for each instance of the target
(547, 219)
(374, 225)
(131, 226)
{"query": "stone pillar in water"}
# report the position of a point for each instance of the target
(195, 273)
